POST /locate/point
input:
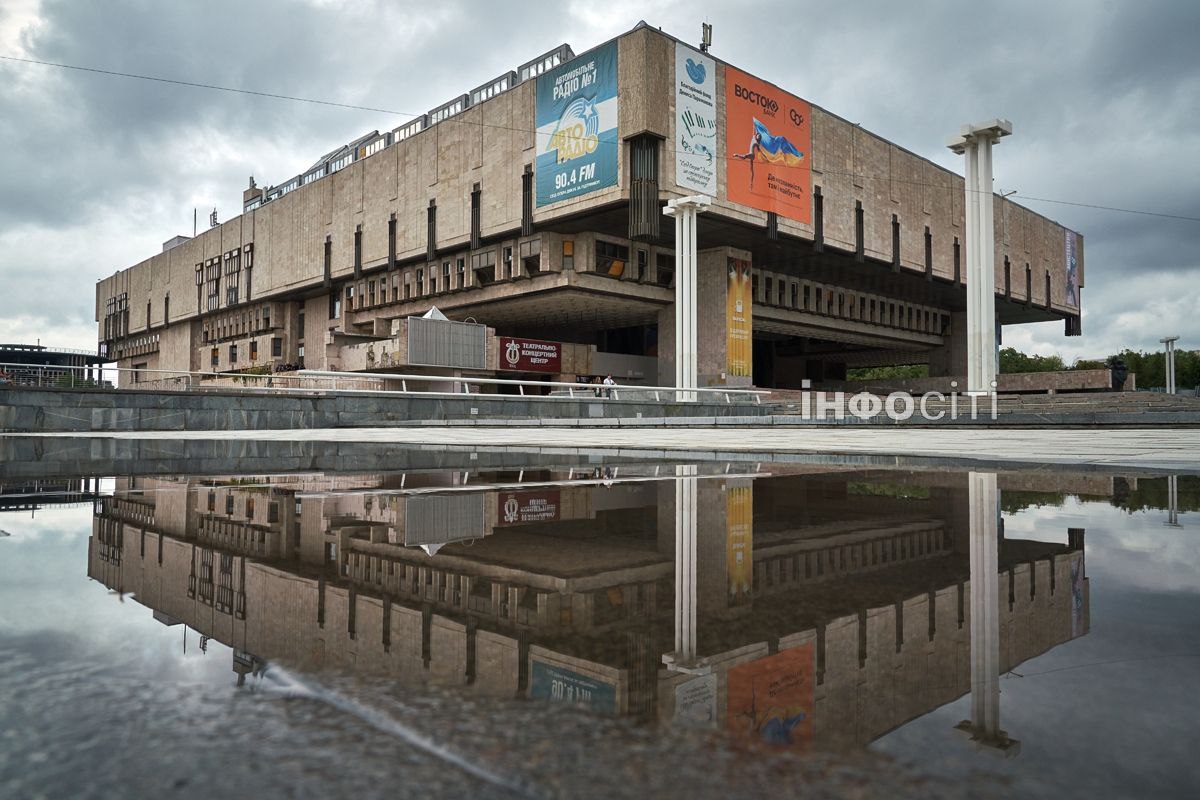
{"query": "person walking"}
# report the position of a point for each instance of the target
(608, 384)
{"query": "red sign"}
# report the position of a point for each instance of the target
(530, 355)
(521, 508)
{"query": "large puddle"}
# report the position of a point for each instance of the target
(533, 623)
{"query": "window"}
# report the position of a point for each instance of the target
(807, 299)
(276, 347)
(767, 294)
(232, 354)
(216, 358)
(266, 317)
(782, 289)
(611, 258)
(273, 512)
(420, 281)
(818, 300)
(371, 292)
(229, 504)
(446, 275)
(335, 304)
(568, 261)
(250, 508)
(484, 266)
(754, 287)
(349, 298)
(794, 295)
(253, 349)
(461, 266)
(665, 269)
(508, 262)
(643, 263)
(531, 256)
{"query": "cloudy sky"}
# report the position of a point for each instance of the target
(96, 172)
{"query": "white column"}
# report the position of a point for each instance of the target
(684, 658)
(684, 210)
(975, 142)
(984, 726)
(1169, 341)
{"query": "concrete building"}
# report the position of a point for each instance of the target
(531, 209)
(856, 584)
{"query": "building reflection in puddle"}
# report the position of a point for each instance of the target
(824, 607)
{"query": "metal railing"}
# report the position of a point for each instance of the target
(335, 382)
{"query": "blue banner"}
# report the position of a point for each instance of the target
(577, 126)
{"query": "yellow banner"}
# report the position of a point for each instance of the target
(739, 538)
(739, 361)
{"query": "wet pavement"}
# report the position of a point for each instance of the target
(566, 623)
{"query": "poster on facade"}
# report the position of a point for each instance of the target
(523, 508)
(696, 702)
(739, 323)
(771, 700)
(1077, 623)
(530, 355)
(577, 126)
(739, 541)
(695, 121)
(768, 143)
(1072, 270)
(561, 685)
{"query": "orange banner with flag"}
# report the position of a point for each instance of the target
(768, 141)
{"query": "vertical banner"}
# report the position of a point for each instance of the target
(695, 121)
(739, 542)
(696, 702)
(1072, 270)
(739, 321)
(768, 141)
(1077, 623)
(577, 126)
(771, 699)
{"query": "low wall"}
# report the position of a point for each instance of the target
(32, 410)
(1072, 380)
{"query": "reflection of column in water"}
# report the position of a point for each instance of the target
(984, 726)
(684, 657)
(1173, 501)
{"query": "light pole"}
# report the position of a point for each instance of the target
(975, 142)
(684, 210)
(1170, 343)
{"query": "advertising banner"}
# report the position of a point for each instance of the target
(1072, 270)
(739, 542)
(696, 702)
(771, 699)
(520, 508)
(695, 121)
(562, 685)
(530, 355)
(577, 126)
(739, 322)
(1077, 622)
(768, 140)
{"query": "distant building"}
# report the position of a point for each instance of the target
(532, 205)
(38, 365)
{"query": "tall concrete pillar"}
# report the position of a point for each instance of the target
(975, 142)
(684, 210)
(983, 728)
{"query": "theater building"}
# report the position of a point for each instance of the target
(529, 212)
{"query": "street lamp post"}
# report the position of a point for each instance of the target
(1170, 341)
(975, 142)
(684, 210)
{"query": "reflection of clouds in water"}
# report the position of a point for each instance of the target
(1128, 550)
(47, 604)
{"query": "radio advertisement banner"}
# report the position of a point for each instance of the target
(530, 355)
(771, 699)
(768, 138)
(739, 320)
(695, 121)
(561, 685)
(577, 126)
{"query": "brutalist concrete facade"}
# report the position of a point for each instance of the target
(446, 217)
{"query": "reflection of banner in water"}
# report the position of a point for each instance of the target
(1077, 624)
(739, 320)
(559, 684)
(771, 699)
(696, 702)
(739, 532)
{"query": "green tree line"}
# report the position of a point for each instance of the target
(1150, 368)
